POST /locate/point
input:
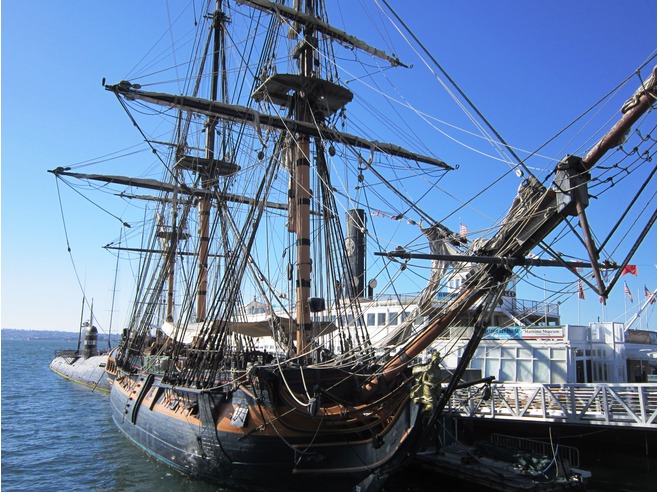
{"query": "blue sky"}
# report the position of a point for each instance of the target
(530, 67)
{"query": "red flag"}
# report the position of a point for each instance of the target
(627, 291)
(649, 294)
(581, 293)
(632, 269)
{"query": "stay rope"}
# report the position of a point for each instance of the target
(68, 249)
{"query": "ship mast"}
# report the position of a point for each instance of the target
(208, 174)
(301, 187)
(171, 259)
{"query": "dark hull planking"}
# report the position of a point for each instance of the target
(194, 436)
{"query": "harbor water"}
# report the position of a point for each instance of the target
(58, 435)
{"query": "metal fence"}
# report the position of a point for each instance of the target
(571, 454)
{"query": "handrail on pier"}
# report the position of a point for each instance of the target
(606, 404)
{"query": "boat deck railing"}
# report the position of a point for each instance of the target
(525, 308)
(569, 453)
(67, 353)
(602, 404)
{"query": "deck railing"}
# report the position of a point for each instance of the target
(67, 353)
(570, 453)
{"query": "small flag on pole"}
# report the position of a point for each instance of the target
(632, 269)
(462, 230)
(581, 292)
(627, 291)
(649, 294)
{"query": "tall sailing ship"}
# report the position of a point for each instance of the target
(250, 206)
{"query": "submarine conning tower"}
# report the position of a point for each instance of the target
(91, 342)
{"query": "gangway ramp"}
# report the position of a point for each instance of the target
(602, 404)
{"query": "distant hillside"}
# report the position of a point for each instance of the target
(13, 334)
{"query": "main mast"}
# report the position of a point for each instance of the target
(208, 174)
(306, 58)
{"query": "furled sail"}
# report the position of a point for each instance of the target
(441, 242)
(257, 326)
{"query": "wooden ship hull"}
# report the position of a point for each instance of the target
(328, 408)
(254, 440)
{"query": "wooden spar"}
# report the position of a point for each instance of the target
(243, 114)
(616, 134)
(302, 197)
(528, 235)
(644, 100)
(589, 245)
(153, 184)
(207, 179)
(156, 251)
(313, 22)
(465, 300)
(171, 247)
(497, 260)
(171, 260)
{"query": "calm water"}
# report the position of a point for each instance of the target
(57, 435)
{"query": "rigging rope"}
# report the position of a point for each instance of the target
(69, 250)
(520, 162)
(125, 224)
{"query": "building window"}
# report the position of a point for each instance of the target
(476, 361)
(541, 366)
(492, 368)
(393, 319)
(507, 370)
(558, 365)
(371, 319)
(512, 363)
